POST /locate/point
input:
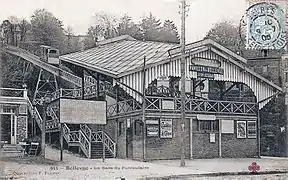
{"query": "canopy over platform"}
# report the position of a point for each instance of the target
(122, 58)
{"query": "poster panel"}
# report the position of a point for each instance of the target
(251, 129)
(241, 129)
(166, 128)
(74, 111)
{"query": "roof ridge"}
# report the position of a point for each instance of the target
(115, 39)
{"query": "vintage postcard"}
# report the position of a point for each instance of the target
(143, 89)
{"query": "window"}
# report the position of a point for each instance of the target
(120, 127)
(211, 126)
(251, 129)
(138, 127)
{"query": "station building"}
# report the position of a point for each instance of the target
(140, 83)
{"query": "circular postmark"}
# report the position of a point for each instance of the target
(265, 26)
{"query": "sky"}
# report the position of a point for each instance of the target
(202, 14)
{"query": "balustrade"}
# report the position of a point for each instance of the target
(169, 104)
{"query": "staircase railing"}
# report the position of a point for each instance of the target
(108, 142)
(77, 137)
(35, 113)
(85, 144)
(86, 131)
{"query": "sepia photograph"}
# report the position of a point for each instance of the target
(144, 89)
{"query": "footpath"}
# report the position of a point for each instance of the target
(77, 168)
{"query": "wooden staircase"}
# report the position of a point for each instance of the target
(91, 143)
(97, 151)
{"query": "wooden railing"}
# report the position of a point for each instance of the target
(124, 107)
(169, 104)
(86, 131)
(85, 144)
(199, 105)
(77, 137)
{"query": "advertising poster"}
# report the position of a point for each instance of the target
(241, 129)
(166, 128)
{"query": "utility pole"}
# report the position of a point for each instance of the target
(183, 96)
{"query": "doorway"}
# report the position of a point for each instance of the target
(8, 128)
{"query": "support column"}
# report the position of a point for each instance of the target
(43, 135)
(220, 138)
(103, 142)
(191, 138)
(286, 128)
(143, 110)
(83, 83)
(258, 132)
(61, 142)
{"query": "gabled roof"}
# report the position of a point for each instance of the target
(123, 55)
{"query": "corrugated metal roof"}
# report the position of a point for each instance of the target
(121, 55)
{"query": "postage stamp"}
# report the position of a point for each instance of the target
(266, 24)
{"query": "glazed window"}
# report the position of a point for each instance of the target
(208, 126)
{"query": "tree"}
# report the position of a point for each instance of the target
(150, 27)
(47, 29)
(127, 27)
(169, 33)
(225, 33)
(105, 26)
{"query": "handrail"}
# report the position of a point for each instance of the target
(110, 144)
(85, 144)
(66, 133)
(87, 131)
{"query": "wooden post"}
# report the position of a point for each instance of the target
(143, 111)
(258, 132)
(98, 86)
(43, 132)
(61, 142)
(103, 142)
(117, 120)
(83, 83)
(220, 137)
(183, 65)
(50, 138)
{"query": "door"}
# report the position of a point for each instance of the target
(129, 141)
(13, 129)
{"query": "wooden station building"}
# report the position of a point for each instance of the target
(223, 99)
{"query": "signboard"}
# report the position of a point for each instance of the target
(251, 129)
(212, 138)
(266, 26)
(74, 111)
(227, 126)
(152, 130)
(206, 68)
(166, 128)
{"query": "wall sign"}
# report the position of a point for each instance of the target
(152, 127)
(251, 129)
(152, 130)
(241, 129)
(206, 67)
(166, 128)
(212, 138)
(227, 126)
